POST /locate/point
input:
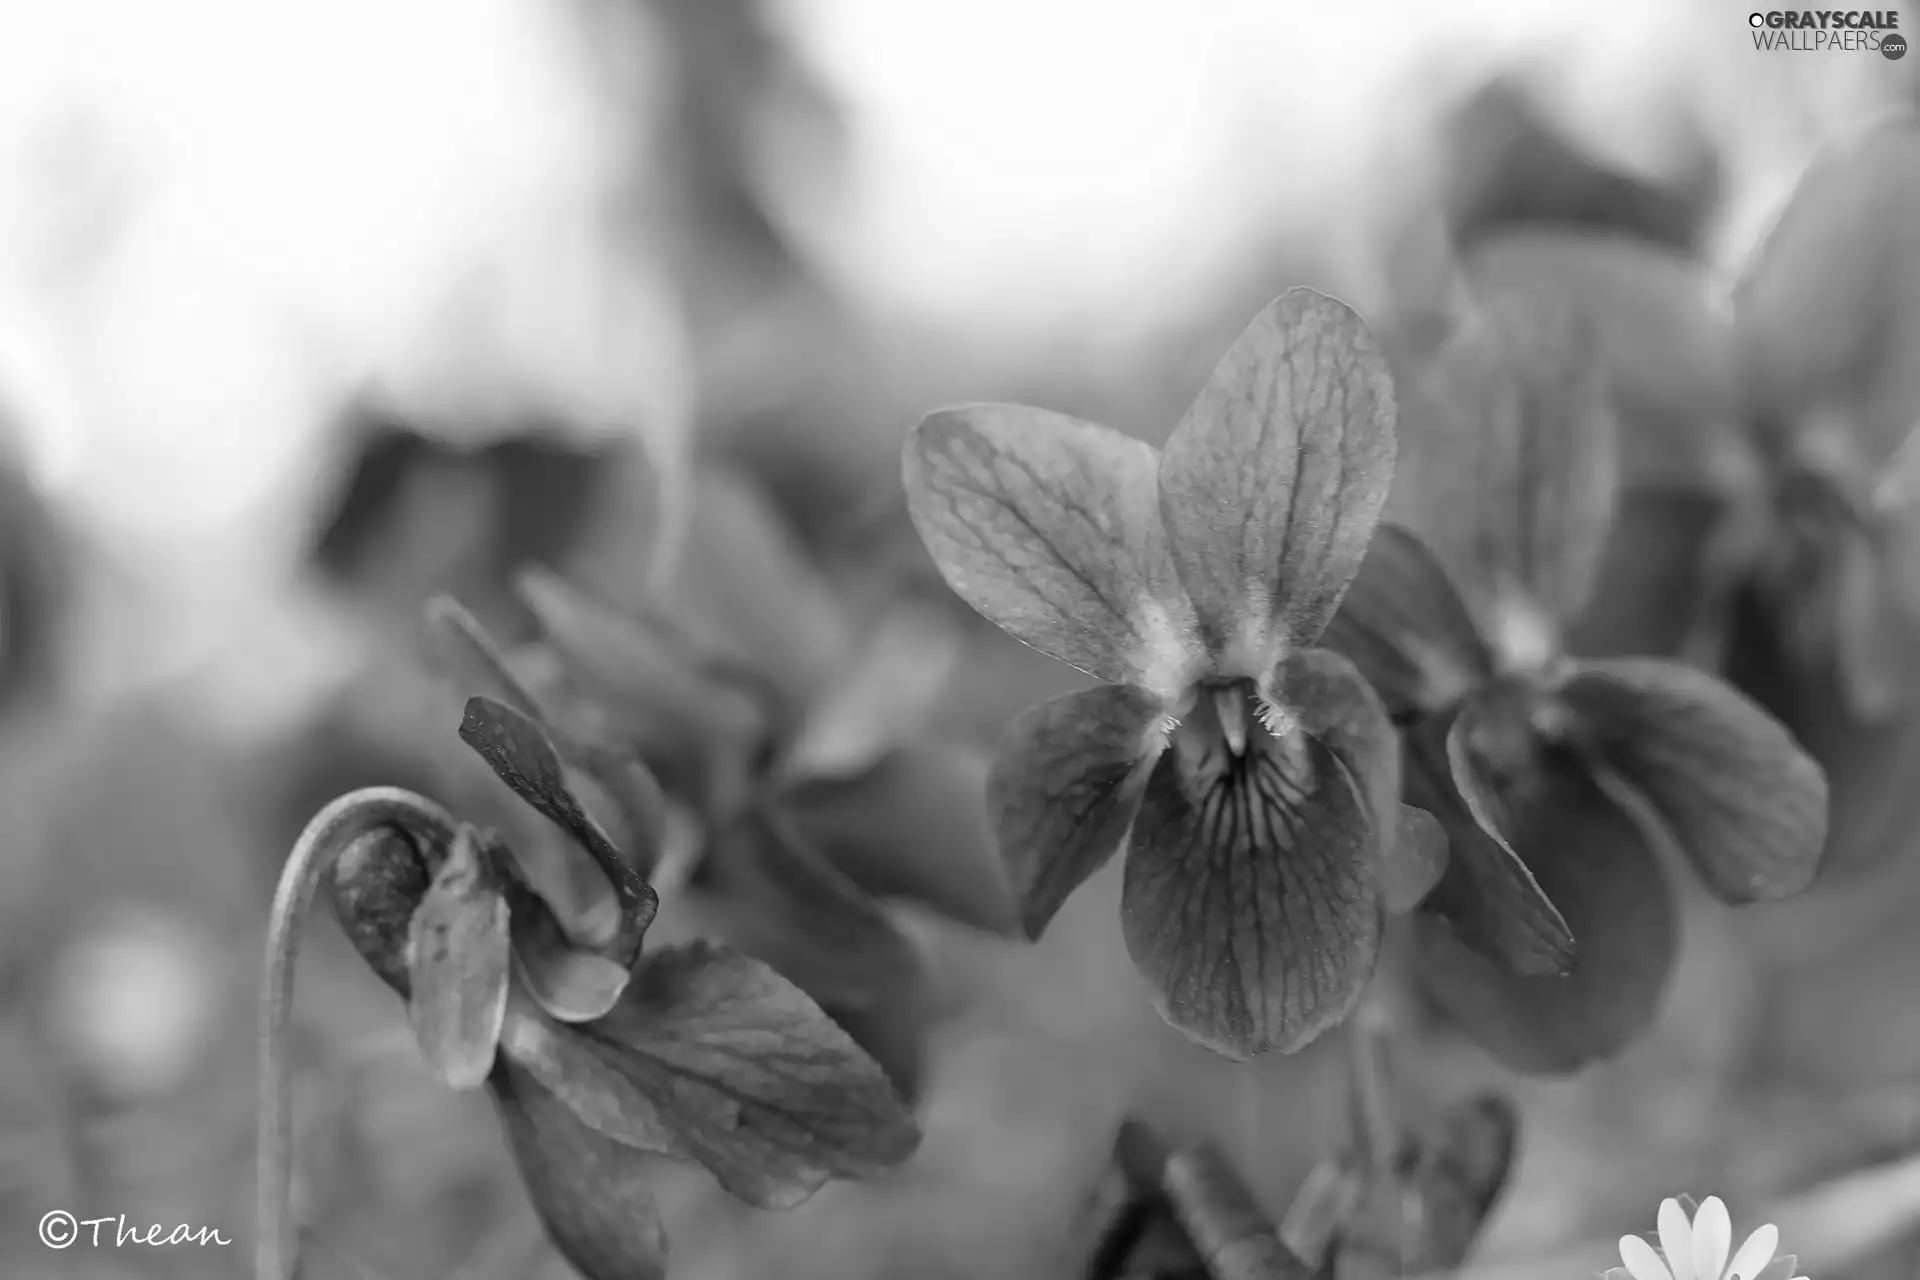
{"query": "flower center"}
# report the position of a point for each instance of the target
(1230, 715)
(1523, 638)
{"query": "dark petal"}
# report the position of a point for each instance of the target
(747, 1076)
(1064, 786)
(912, 827)
(459, 956)
(1507, 446)
(1273, 481)
(1661, 589)
(771, 893)
(521, 755)
(1337, 706)
(1591, 859)
(374, 886)
(1251, 903)
(1050, 528)
(592, 1193)
(1404, 625)
(1487, 893)
(1727, 780)
(470, 658)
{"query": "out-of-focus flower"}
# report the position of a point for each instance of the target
(1253, 778)
(1552, 934)
(1697, 1249)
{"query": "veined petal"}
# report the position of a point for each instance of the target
(1405, 626)
(1049, 527)
(1336, 705)
(1273, 481)
(1064, 787)
(1251, 903)
(1594, 865)
(1728, 781)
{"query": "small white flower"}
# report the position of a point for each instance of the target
(1697, 1250)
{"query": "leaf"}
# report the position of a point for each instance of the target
(883, 699)
(592, 1194)
(1338, 707)
(520, 754)
(1595, 866)
(1272, 483)
(1405, 627)
(913, 828)
(774, 896)
(1251, 901)
(471, 658)
(1487, 893)
(1727, 780)
(1064, 786)
(1049, 528)
(459, 954)
(751, 1079)
(1507, 458)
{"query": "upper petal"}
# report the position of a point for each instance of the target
(1731, 785)
(1064, 787)
(1274, 480)
(1592, 862)
(1048, 526)
(1405, 626)
(1251, 902)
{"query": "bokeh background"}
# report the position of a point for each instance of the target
(309, 312)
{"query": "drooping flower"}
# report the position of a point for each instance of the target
(693, 1052)
(1252, 778)
(1552, 934)
(1698, 1249)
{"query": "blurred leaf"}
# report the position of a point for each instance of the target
(1594, 865)
(470, 658)
(1272, 483)
(883, 698)
(592, 1194)
(458, 956)
(1727, 781)
(1049, 527)
(517, 749)
(1507, 458)
(1063, 789)
(744, 1074)
(912, 827)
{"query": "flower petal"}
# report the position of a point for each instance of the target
(1755, 1254)
(459, 957)
(752, 1080)
(1591, 860)
(1251, 901)
(912, 827)
(521, 755)
(1741, 797)
(1274, 480)
(1676, 1239)
(1487, 893)
(1064, 787)
(1334, 704)
(592, 1194)
(1712, 1237)
(1642, 1262)
(1048, 526)
(1507, 456)
(1404, 625)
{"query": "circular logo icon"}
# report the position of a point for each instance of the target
(1893, 46)
(1756, 19)
(58, 1229)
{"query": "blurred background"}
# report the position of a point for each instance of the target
(307, 313)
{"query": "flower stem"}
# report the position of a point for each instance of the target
(369, 812)
(1234, 1237)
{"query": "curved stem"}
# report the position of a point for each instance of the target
(332, 831)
